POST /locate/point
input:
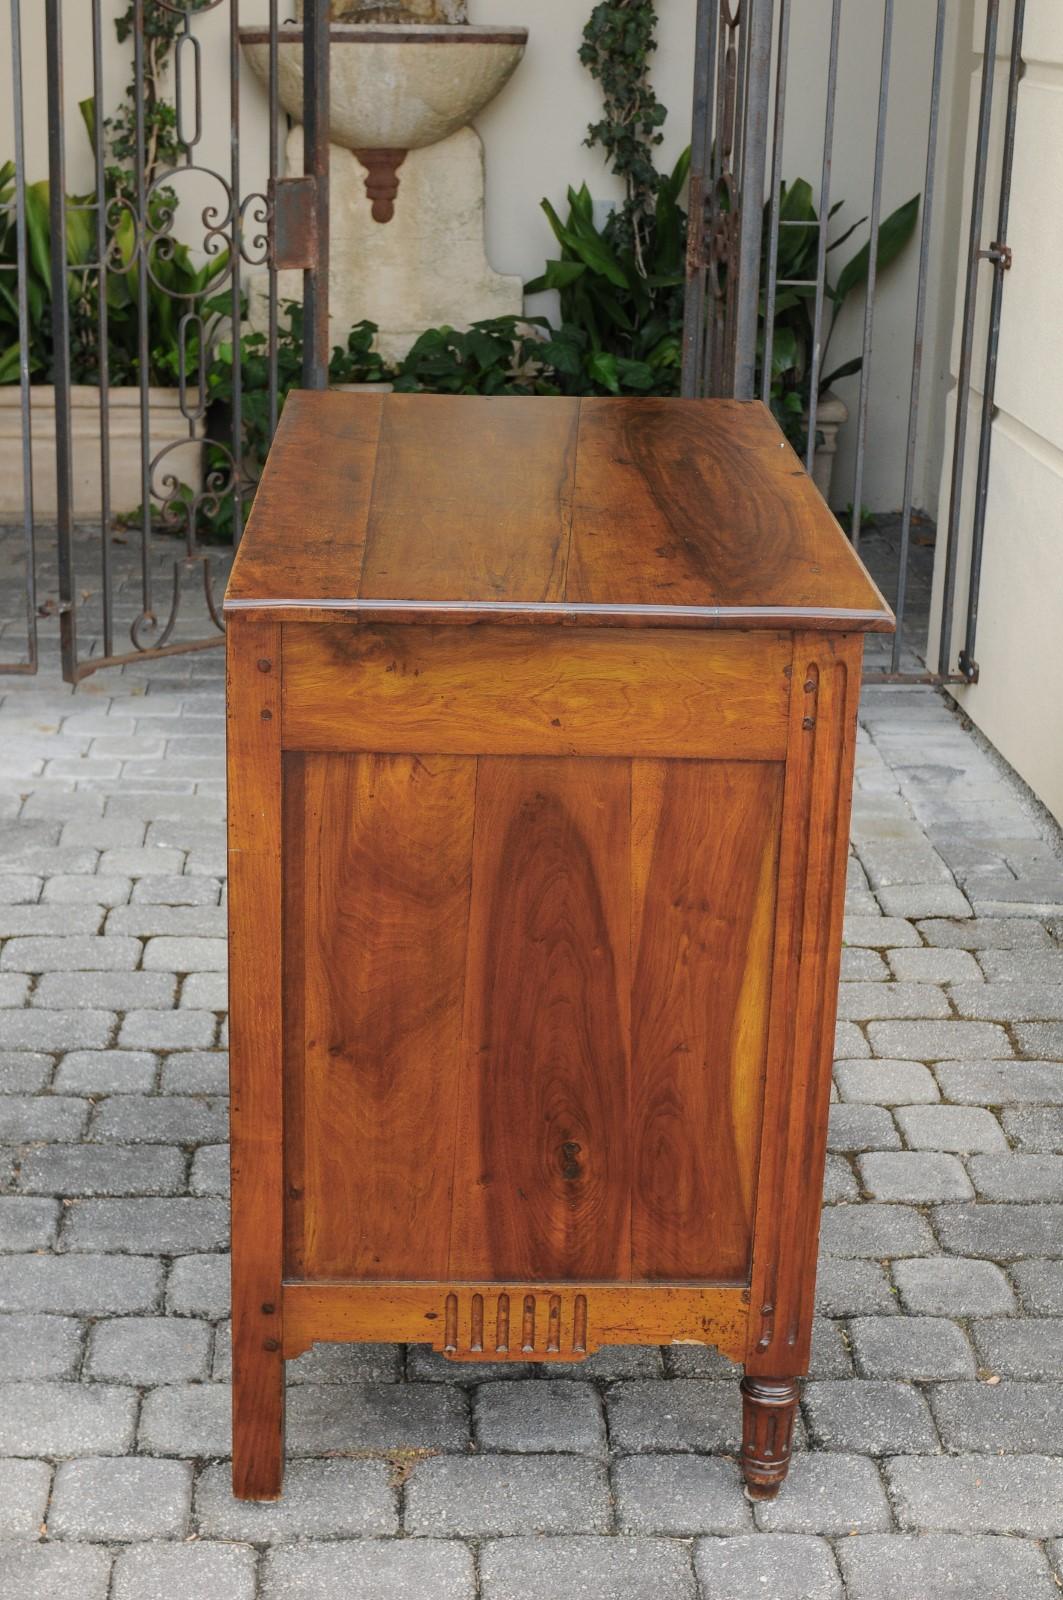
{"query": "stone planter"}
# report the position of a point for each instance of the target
(831, 414)
(166, 427)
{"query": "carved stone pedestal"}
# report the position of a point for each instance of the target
(426, 263)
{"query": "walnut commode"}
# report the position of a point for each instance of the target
(541, 723)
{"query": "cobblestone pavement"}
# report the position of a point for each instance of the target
(930, 1459)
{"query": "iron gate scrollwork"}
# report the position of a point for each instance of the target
(150, 273)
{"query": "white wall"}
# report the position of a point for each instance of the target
(534, 132)
(1019, 644)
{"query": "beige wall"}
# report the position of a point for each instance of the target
(1020, 629)
(534, 133)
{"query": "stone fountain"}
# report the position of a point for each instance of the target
(406, 168)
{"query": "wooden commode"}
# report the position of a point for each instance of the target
(541, 719)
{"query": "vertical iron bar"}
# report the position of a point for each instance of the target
(754, 157)
(64, 465)
(872, 270)
(143, 344)
(721, 154)
(917, 344)
(824, 218)
(701, 157)
(104, 363)
(316, 165)
(970, 299)
(968, 664)
(768, 353)
(236, 246)
(22, 293)
(274, 168)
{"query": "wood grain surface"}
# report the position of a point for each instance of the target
(378, 941)
(811, 899)
(526, 691)
(615, 1313)
(616, 512)
(541, 1175)
(256, 1065)
(704, 854)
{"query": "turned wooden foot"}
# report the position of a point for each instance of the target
(768, 1409)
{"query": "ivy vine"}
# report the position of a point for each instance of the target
(618, 41)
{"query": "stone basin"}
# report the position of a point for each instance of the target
(395, 87)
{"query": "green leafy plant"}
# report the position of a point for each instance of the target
(622, 319)
(794, 316)
(618, 40)
(173, 278)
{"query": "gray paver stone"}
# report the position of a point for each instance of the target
(675, 1414)
(827, 1494)
(161, 1119)
(681, 1496)
(38, 1346)
(917, 1176)
(493, 1496)
(978, 1494)
(910, 1347)
(1002, 1082)
(187, 1419)
(1035, 1128)
(27, 1223)
(168, 1030)
(545, 1416)
(376, 1416)
(1028, 1348)
(73, 1169)
(99, 1072)
(164, 1227)
(369, 1569)
(54, 1572)
(149, 1350)
(1018, 1177)
(199, 1286)
(861, 1002)
(852, 1128)
(322, 1499)
(29, 1118)
(71, 953)
(939, 1041)
(24, 1489)
(65, 1419)
(996, 1417)
(210, 1170)
(24, 1071)
(1000, 1232)
(592, 1568)
(89, 1285)
(777, 1566)
(1040, 1286)
(952, 1128)
(944, 1286)
(56, 1030)
(876, 1418)
(848, 1287)
(934, 966)
(185, 1572)
(885, 1083)
(105, 991)
(115, 1498)
(943, 1567)
(874, 1230)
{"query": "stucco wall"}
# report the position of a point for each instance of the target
(1019, 645)
(534, 137)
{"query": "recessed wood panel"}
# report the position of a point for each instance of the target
(376, 929)
(541, 1181)
(531, 691)
(704, 849)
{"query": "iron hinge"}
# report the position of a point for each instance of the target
(293, 223)
(968, 667)
(998, 254)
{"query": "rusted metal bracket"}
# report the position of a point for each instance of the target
(968, 667)
(294, 231)
(998, 254)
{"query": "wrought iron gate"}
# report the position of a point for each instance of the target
(734, 275)
(117, 258)
(80, 267)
